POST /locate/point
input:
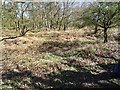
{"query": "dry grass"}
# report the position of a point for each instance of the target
(49, 53)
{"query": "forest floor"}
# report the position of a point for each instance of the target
(57, 59)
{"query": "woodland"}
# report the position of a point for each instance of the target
(64, 44)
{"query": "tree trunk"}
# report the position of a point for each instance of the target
(16, 26)
(51, 24)
(105, 35)
(96, 29)
(59, 26)
(64, 27)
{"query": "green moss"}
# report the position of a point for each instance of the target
(86, 40)
(77, 53)
(26, 59)
(48, 56)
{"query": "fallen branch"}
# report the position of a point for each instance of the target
(13, 37)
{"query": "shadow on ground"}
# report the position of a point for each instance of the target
(81, 78)
(66, 49)
(54, 46)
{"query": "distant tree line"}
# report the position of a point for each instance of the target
(26, 16)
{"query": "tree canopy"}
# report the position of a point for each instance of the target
(26, 16)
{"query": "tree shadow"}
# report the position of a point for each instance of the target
(106, 56)
(82, 78)
(109, 66)
(65, 49)
(12, 78)
(55, 46)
